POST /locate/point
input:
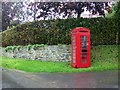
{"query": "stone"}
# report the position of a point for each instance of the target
(44, 53)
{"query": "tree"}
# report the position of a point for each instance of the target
(0, 16)
(32, 9)
(6, 16)
(54, 8)
(48, 9)
(117, 10)
(57, 8)
(18, 11)
(11, 11)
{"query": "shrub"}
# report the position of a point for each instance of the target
(54, 32)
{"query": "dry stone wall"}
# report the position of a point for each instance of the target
(44, 53)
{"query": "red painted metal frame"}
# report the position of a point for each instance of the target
(77, 59)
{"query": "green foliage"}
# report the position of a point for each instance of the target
(117, 10)
(39, 45)
(35, 45)
(54, 32)
(11, 48)
(28, 46)
(104, 53)
(110, 15)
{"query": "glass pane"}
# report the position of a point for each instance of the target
(84, 54)
(84, 41)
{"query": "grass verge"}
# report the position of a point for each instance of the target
(103, 57)
(42, 66)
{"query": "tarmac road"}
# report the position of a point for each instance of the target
(97, 79)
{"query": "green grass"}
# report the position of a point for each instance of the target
(102, 58)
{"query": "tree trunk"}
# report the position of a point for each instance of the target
(78, 16)
(34, 12)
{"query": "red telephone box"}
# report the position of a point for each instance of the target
(80, 43)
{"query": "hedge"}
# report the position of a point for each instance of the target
(51, 32)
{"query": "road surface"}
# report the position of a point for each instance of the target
(95, 79)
